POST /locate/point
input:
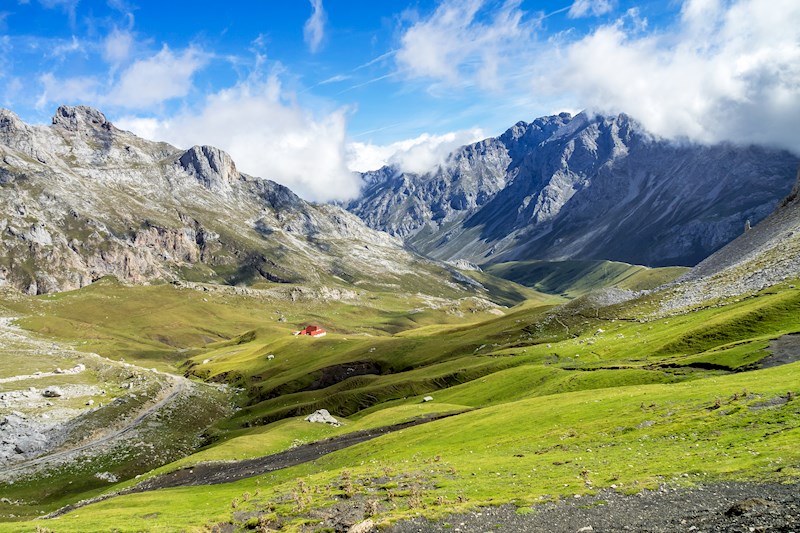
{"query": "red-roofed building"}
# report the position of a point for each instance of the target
(312, 331)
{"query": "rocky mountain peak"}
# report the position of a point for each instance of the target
(10, 125)
(9, 121)
(80, 118)
(587, 186)
(522, 136)
(212, 167)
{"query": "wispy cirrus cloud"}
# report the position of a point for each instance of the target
(314, 28)
(63, 49)
(118, 46)
(593, 8)
(335, 79)
(69, 7)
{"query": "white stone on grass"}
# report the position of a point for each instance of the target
(322, 416)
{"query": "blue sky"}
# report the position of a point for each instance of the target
(303, 92)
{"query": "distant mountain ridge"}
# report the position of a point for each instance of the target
(582, 187)
(82, 199)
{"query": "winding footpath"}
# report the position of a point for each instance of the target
(215, 473)
(13, 338)
(178, 385)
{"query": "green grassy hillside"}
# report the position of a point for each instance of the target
(573, 278)
(554, 401)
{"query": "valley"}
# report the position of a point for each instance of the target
(550, 401)
(151, 378)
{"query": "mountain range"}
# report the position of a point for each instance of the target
(82, 199)
(636, 378)
(579, 187)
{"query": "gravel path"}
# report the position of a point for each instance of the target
(178, 385)
(48, 436)
(722, 507)
(214, 473)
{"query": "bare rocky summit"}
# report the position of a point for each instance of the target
(82, 199)
(579, 187)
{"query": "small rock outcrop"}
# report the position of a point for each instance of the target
(52, 392)
(80, 118)
(322, 416)
(211, 166)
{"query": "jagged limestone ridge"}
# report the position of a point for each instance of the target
(582, 187)
(83, 199)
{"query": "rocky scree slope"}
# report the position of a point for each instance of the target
(81, 199)
(764, 256)
(582, 187)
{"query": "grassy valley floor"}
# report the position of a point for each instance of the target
(548, 402)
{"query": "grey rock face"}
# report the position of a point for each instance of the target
(583, 187)
(211, 166)
(30, 443)
(81, 199)
(21, 437)
(766, 255)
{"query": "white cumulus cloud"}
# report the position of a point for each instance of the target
(147, 82)
(417, 155)
(267, 135)
(723, 70)
(728, 71)
(75, 89)
(150, 81)
(457, 45)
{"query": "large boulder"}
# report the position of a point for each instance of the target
(322, 416)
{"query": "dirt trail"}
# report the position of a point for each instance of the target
(178, 386)
(225, 472)
(16, 339)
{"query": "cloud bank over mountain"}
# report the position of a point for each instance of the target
(347, 90)
(723, 71)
